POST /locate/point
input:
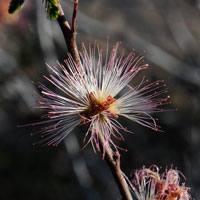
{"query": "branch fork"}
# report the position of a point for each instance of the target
(69, 32)
(113, 161)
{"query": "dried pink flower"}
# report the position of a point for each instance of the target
(150, 184)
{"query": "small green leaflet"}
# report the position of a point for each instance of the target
(51, 7)
(15, 5)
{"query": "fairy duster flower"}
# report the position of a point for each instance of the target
(96, 94)
(150, 184)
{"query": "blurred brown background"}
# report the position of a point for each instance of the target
(170, 33)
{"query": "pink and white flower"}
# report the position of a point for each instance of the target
(95, 94)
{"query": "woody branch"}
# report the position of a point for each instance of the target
(113, 160)
(69, 32)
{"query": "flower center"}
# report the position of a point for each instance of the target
(172, 192)
(97, 106)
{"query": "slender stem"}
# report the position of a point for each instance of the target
(74, 16)
(113, 161)
(68, 32)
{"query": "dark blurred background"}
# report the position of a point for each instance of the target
(168, 30)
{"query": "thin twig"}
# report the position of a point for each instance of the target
(74, 16)
(68, 32)
(70, 39)
(113, 161)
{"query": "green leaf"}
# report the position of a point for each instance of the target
(15, 5)
(52, 9)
